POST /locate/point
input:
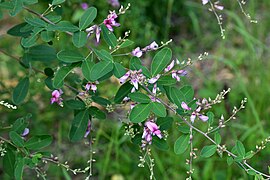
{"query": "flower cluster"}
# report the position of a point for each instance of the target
(94, 29)
(91, 86)
(150, 129)
(136, 77)
(216, 4)
(110, 21)
(114, 3)
(175, 73)
(138, 52)
(56, 97)
(195, 113)
(88, 129)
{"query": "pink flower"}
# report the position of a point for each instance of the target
(185, 106)
(25, 132)
(110, 21)
(154, 79)
(150, 129)
(84, 6)
(205, 2)
(197, 113)
(177, 73)
(114, 3)
(91, 86)
(135, 78)
(56, 97)
(150, 47)
(94, 29)
(88, 129)
(219, 7)
(168, 68)
(137, 52)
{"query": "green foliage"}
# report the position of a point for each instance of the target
(161, 61)
(122, 92)
(159, 109)
(140, 112)
(38, 142)
(139, 97)
(108, 36)
(87, 18)
(79, 39)
(79, 126)
(70, 56)
(181, 144)
(101, 69)
(208, 151)
(20, 91)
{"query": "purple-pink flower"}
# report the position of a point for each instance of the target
(110, 21)
(216, 5)
(150, 129)
(137, 52)
(25, 132)
(91, 86)
(94, 29)
(177, 73)
(114, 3)
(205, 2)
(84, 6)
(135, 78)
(169, 67)
(56, 97)
(195, 113)
(88, 129)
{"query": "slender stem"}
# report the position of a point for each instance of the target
(203, 133)
(44, 18)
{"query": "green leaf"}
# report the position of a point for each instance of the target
(164, 123)
(96, 113)
(161, 61)
(184, 129)
(160, 143)
(101, 69)
(79, 39)
(30, 2)
(19, 125)
(126, 43)
(240, 148)
(60, 76)
(229, 160)
(31, 40)
(217, 138)
(100, 100)
(140, 112)
(135, 63)
(49, 72)
(251, 172)
(37, 22)
(42, 53)
(20, 91)
(208, 151)
(86, 69)
(249, 155)
(64, 26)
(9, 162)
(7, 5)
(69, 56)
(210, 116)
(17, 7)
(175, 95)
(54, 18)
(79, 126)
(56, 2)
(16, 139)
(103, 55)
(75, 104)
(122, 92)
(139, 97)
(87, 18)
(18, 172)
(16, 30)
(166, 81)
(47, 36)
(181, 144)
(188, 92)
(38, 142)
(108, 36)
(159, 109)
(119, 70)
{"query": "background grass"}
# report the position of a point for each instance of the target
(240, 62)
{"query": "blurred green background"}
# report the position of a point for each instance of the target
(240, 62)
